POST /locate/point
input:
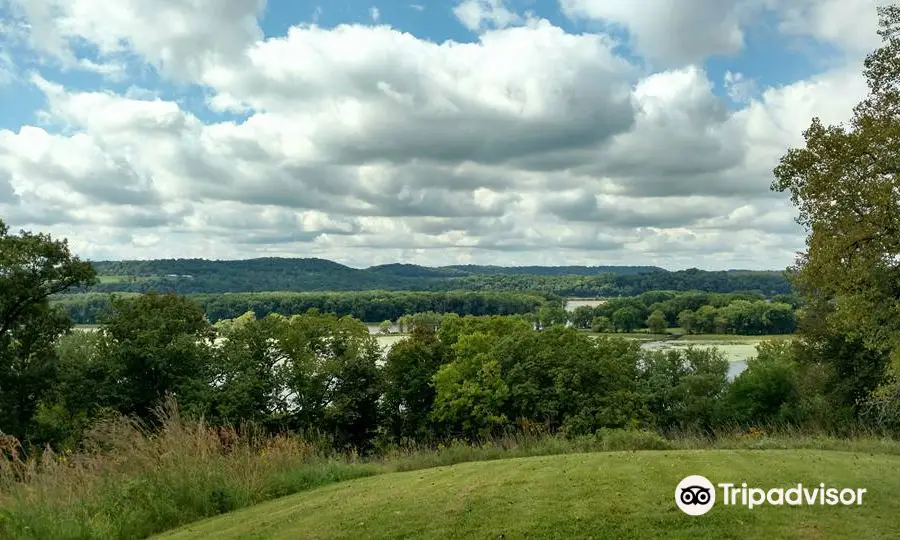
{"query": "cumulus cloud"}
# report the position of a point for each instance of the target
(478, 14)
(848, 24)
(671, 31)
(368, 144)
(740, 88)
(179, 37)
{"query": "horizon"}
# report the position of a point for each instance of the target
(444, 265)
(488, 132)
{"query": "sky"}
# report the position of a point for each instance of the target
(509, 132)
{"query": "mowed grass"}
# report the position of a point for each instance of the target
(595, 495)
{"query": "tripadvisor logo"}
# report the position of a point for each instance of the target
(696, 495)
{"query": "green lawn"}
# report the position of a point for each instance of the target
(597, 495)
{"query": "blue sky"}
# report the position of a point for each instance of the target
(537, 143)
(770, 58)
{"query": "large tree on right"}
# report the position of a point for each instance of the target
(845, 182)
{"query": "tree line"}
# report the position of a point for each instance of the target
(694, 312)
(452, 377)
(367, 306)
(199, 276)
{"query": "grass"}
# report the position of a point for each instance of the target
(129, 483)
(110, 278)
(598, 495)
(731, 338)
(636, 336)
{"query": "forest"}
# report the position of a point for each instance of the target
(192, 276)
(366, 306)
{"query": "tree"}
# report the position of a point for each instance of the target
(601, 324)
(625, 319)
(408, 388)
(330, 377)
(845, 182)
(385, 327)
(159, 343)
(548, 316)
(247, 386)
(470, 392)
(656, 322)
(582, 316)
(32, 268)
(687, 320)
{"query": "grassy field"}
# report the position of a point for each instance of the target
(597, 495)
(730, 338)
(637, 336)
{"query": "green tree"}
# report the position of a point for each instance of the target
(385, 327)
(160, 345)
(548, 316)
(582, 316)
(656, 322)
(86, 389)
(601, 324)
(470, 390)
(32, 268)
(684, 388)
(687, 320)
(845, 183)
(247, 384)
(330, 376)
(407, 376)
(626, 319)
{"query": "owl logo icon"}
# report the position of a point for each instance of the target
(695, 495)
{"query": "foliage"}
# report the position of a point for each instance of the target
(845, 183)
(407, 375)
(193, 276)
(656, 322)
(684, 388)
(368, 306)
(32, 268)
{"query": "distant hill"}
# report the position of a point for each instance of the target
(186, 276)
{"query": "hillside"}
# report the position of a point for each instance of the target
(303, 275)
(598, 495)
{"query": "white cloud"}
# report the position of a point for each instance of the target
(179, 37)
(367, 145)
(671, 31)
(740, 88)
(480, 14)
(848, 24)
(374, 14)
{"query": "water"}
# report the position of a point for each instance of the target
(737, 354)
(573, 303)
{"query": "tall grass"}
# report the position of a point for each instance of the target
(130, 482)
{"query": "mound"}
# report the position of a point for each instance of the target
(601, 495)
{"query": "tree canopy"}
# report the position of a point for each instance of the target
(845, 183)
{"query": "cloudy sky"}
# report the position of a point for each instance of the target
(487, 131)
